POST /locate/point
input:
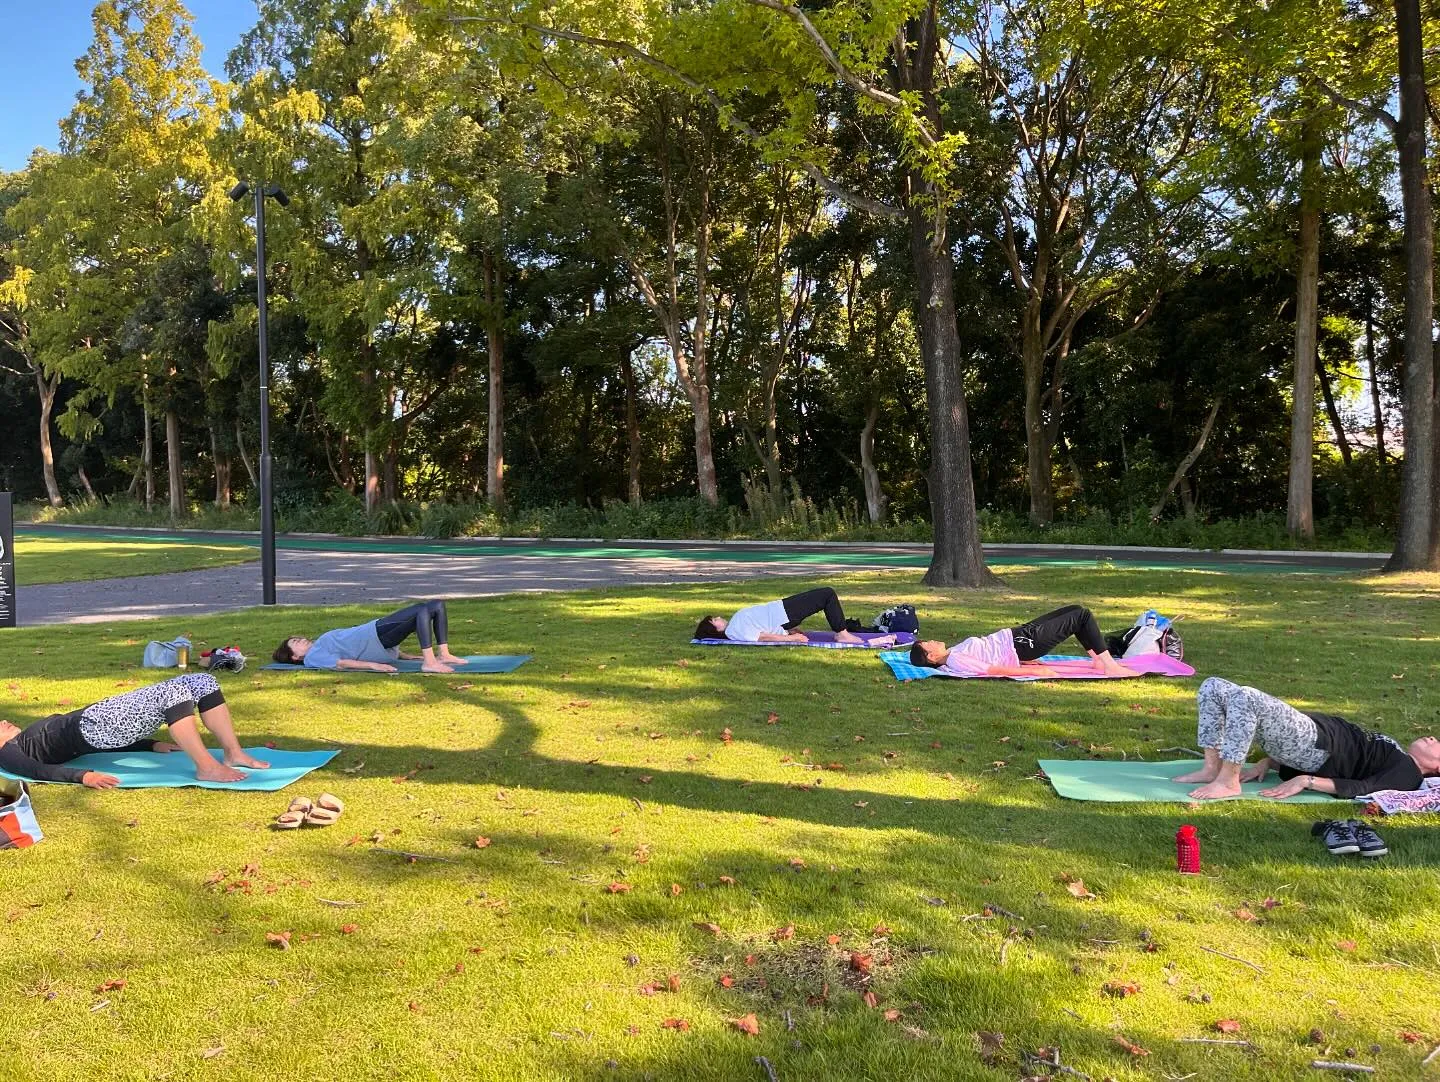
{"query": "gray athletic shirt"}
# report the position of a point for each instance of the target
(358, 643)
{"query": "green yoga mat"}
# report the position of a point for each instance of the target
(475, 663)
(174, 770)
(1107, 780)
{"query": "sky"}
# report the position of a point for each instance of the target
(43, 38)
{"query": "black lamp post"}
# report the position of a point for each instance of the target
(267, 501)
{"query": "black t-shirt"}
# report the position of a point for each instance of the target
(38, 751)
(1360, 761)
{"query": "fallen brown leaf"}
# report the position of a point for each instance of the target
(1076, 887)
(1411, 1037)
(725, 735)
(707, 926)
(727, 981)
(676, 890)
(1347, 945)
(1131, 1047)
(861, 963)
(870, 1000)
(1226, 1025)
(892, 1015)
(881, 929)
(349, 929)
(482, 843)
(1244, 914)
(771, 718)
(1120, 989)
(112, 985)
(832, 939)
(672, 982)
(747, 1024)
(675, 1023)
(727, 880)
(787, 932)
(279, 940)
(619, 888)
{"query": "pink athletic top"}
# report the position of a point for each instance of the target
(976, 656)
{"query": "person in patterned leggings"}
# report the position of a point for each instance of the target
(128, 723)
(1308, 750)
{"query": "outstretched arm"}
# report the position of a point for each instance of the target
(365, 666)
(15, 761)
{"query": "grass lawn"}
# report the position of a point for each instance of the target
(40, 560)
(749, 877)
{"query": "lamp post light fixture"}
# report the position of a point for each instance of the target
(267, 500)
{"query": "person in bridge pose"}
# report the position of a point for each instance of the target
(779, 621)
(1314, 751)
(128, 722)
(374, 645)
(1012, 651)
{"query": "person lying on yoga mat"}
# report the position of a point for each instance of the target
(375, 645)
(127, 723)
(1011, 651)
(779, 621)
(1309, 751)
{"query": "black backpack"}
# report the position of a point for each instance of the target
(896, 619)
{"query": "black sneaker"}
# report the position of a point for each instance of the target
(1338, 836)
(1370, 843)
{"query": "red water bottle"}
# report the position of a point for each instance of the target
(1187, 850)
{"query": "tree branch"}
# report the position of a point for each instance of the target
(863, 87)
(624, 48)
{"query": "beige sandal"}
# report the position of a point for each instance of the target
(294, 816)
(326, 811)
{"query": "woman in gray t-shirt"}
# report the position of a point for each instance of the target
(375, 645)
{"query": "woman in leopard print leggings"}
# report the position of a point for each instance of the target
(126, 723)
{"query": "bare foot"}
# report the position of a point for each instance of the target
(1216, 790)
(1201, 775)
(436, 666)
(450, 659)
(241, 759)
(1116, 669)
(218, 773)
(846, 636)
(164, 747)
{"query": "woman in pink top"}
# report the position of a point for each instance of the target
(1011, 651)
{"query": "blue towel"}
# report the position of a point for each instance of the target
(174, 770)
(476, 663)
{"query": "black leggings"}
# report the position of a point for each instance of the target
(1044, 633)
(820, 599)
(417, 620)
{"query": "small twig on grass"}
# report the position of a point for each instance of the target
(1188, 751)
(1328, 1065)
(1004, 947)
(1433, 1053)
(1232, 958)
(337, 904)
(1055, 1065)
(1214, 1040)
(769, 1071)
(789, 1022)
(412, 857)
(1003, 911)
(638, 806)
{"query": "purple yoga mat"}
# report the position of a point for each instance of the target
(819, 638)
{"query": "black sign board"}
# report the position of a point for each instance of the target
(7, 560)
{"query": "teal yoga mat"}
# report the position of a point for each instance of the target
(475, 663)
(1107, 780)
(174, 770)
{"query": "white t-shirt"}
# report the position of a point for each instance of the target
(747, 624)
(975, 656)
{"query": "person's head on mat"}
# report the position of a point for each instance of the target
(1426, 753)
(8, 732)
(711, 627)
(931, 653)
(292, 651)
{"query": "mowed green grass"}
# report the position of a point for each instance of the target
(41, 560)
(606, 761)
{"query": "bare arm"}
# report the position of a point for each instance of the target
(794, 636)
(365, 666)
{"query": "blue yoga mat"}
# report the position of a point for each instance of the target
(174, 770)
(475, 663)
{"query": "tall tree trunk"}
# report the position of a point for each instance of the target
(221, 460)
(1374, 375)
(245, 459)
(147, 448)
(869, 476)
(957, 559)
(390, 473)
(1341, 440)
(47, 389)
(1415, 545)
(174, 473)
(1186, 463)
(700, 371)
(85, 483)
(632, 427)
(1038, 466)
(1300, 511)
(372, 478)
(495, 342)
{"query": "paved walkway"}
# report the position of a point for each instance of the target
(314, 570)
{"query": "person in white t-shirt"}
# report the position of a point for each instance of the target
(779, 621)
(1011, 651)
